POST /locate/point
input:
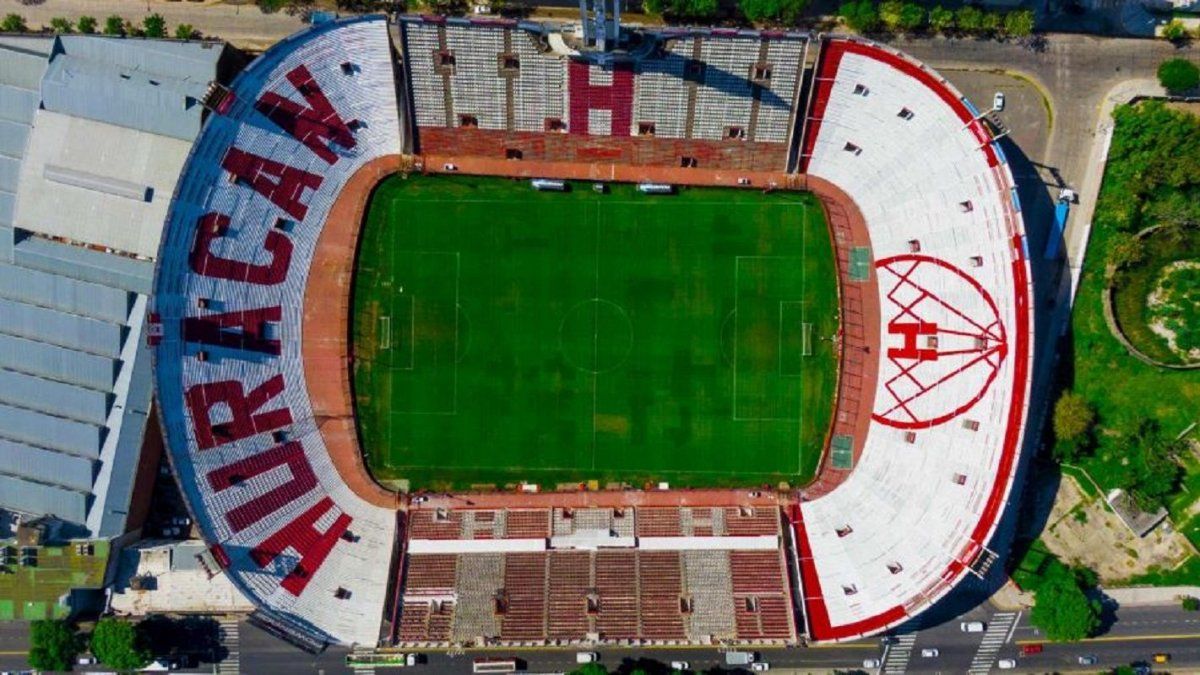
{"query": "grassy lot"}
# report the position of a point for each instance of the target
(503, 334)
(32, 592)
(1123, 390)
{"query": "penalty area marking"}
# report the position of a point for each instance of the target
(385, 332)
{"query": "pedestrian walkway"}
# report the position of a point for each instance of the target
(999, 631)
(899, 654)
(229, 637)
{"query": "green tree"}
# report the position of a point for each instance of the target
(1176, 32)
(114, 25)
(60, 25)
(87, 24)
(773, 11)
(861, 16)
(912, 17)
(1178, 75)
(118, 644)
(185, 31)
(155, 26)
(13, 23)
(1125, 250)
(53, 645)
(1190, 603)
(590, 669)
(941, 19)
(1063, 611)
(889, 14)
(683, 10)
(1019, 24)
(969, 19)
(289, 7)
(990, 23)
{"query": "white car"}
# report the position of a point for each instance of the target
(972, 626)
(680, 665)
(930, 653)
(1007, 664)
(760, 666)
(998, 101)
(871, 663)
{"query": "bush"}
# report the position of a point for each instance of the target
(912, 17)
(114, 25)
(773, 11)
(185, 31)
(1190, 604)
(860, 15)
(941, 19)
(969, 19)
(53, 645)
(155, 26)
(13, 23)
(889, 14)
(1178, 75)
(1176, 32)
(683, 9)
(87, 24)
(1073, 417)
(60, 25)
(118, 644)
(1019, 24)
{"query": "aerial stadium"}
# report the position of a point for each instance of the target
(485, 333)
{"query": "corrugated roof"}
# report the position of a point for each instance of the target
(56, 398)
(21, 68)
(64, 293)
(82, 263)
(40, 499)
(29, 426)
(46, 466)
(57, 363)
(106, 151)
(59, 328)
(17, 105)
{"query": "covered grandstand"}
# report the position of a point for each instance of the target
(936, 338)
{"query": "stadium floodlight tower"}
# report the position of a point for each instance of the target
(601, 21)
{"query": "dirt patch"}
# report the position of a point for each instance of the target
(1083, 531)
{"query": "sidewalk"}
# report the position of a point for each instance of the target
(242, 25)
(1150, 595)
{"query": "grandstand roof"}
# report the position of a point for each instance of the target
(75, 387)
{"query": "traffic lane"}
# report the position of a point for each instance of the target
(14, 645)
(1183, 652)
(261, 652)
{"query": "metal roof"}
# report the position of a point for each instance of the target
(46, 466)
(56, 433)
(60, 328)
(56, 398)
(106, 152)
(22, 495)
(64, 293)
(57, 363)
(82, 263)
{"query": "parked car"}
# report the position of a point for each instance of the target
(1026, 650)
(680, 665)
(930, 653)
(760, 666)
(972, 626)
(998, 101)
(586, 657)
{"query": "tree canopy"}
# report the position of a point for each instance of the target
(683, 9)
(118, 644)
(1178, 75)
(1062, 609)
(13, 23)
(772, 11)
(53, 645)
(114, 25)
(87, 24)
(155, 26)
(860, 15)
(1019, 23)
(1073, 421)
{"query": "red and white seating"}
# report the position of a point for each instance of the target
(232, 272)
(937, 464)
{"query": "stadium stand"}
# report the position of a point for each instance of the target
(293, 128)
(593, 580)
(84, 185)
(948, 246)
(493, 88)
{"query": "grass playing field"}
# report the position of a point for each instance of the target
(503, 334)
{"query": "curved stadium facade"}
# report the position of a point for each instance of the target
(253, 356)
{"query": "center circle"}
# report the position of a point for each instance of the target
(596, 336)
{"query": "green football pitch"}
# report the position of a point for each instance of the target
(503, 334)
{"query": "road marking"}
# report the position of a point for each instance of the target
(899, 654)
(1127, 638)
(230, 639)
(999, 631)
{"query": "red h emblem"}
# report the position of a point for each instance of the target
(617, 98)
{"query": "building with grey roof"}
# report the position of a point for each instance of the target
(93, 135)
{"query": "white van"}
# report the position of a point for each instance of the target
(586, 657)
(929, 653)
(972, 627)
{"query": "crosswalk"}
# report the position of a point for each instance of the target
(228, 631)
(899, 652)
(999, 630)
